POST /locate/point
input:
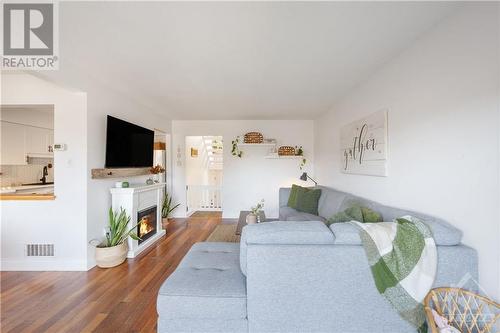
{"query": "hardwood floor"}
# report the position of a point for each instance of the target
(120, 299)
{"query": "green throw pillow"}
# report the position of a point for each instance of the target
(307, 201)
(292, 199)
(352, 213)
(370, 216)
(356, 213)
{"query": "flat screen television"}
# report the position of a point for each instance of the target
(128, 145)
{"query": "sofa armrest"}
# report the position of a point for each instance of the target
(284, 195)
(283, 233)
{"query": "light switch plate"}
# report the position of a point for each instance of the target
(59, 146)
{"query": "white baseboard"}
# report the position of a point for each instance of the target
(46, 265)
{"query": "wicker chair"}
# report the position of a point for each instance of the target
(464, 310)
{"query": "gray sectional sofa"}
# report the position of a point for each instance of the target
(296, 275)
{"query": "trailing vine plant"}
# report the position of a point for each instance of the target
(299, 151)
(235, 151)
(303, 162)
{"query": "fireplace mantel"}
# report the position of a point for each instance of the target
(134, 199)
(136, 188)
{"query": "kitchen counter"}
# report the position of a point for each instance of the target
(28, 192)
(14, 196)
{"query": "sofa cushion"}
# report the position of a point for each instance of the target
(330, 201)
(307, 201)
(443, 232)
(300, 216)
(283, 233)
(207, 284)
(284, 194)
(348, 234)
(290, 214)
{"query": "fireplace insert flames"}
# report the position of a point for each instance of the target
(146, 226)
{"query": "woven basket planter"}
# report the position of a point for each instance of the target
(253, 137)
(106, 257)
(286, 151)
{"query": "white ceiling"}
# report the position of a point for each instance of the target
(235, 60)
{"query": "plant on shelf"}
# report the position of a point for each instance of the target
(252, 217)
(113, 251)
(167, 207)
(156, 169)
(235, 151)
(299, 151)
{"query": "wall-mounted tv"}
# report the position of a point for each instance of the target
(128, 145)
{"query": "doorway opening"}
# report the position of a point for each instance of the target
(204, 172)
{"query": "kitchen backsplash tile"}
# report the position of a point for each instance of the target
(13, 175)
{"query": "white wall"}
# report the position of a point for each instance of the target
(102, 101)
(251, 178)
(83, 126)
(443, 100)
(63, 220)
(38, 116)
(196, 167)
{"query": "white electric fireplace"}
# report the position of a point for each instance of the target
(143, 204)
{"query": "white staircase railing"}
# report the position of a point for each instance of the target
(203, 197)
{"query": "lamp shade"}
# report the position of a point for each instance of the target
(304, 176)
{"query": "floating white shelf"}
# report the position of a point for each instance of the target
(257, 144)
(293, 157)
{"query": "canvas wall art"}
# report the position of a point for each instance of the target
(364, 145)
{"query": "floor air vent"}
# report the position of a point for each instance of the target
(40, 250)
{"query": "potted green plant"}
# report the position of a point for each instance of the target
(252, 217)
(113, 251)
(167, 208)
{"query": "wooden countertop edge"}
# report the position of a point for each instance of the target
(27, 197)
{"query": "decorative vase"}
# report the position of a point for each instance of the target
(251, 218)
(106, 257)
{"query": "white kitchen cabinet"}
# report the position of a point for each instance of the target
(39, 141)
(13, 144)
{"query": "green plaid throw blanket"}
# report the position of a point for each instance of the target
(403, 260)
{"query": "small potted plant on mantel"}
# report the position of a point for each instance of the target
(252, 217)
(113, 251)
(155, 171)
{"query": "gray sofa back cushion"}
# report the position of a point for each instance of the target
(290, 214)
(333, 201)
(283, 233)
(284, 195)
(348, 234)
(330, 202)
(443, 232)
